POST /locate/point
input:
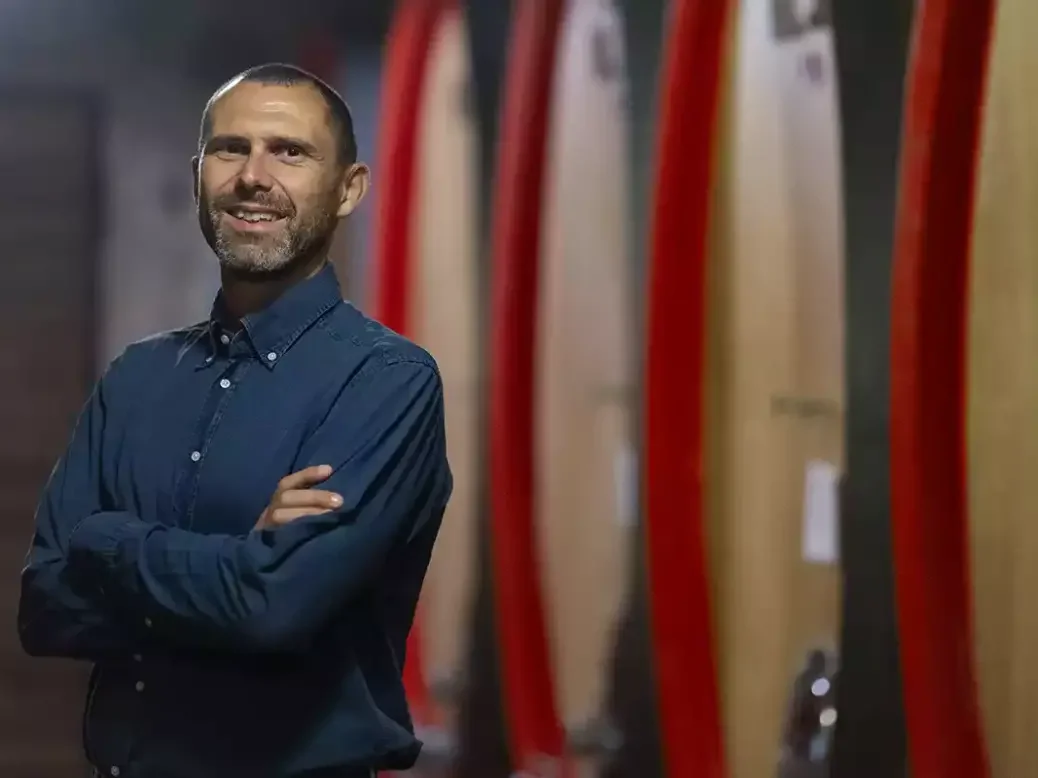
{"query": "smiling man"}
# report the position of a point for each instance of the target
(238, 532)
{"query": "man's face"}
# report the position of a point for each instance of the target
(270, 186)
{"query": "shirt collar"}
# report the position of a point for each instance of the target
(272, 332)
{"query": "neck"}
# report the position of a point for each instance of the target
(243, 295)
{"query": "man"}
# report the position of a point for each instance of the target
(238, 532)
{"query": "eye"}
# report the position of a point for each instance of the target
(290, 151)
(232, 148)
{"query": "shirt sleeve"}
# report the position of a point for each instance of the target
(57, 617)
(273, 590)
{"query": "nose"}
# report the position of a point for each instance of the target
(254, 174)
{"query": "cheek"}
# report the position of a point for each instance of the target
(208, 191)
(312, 205)
(218, 178)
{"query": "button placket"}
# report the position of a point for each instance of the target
(221, 391)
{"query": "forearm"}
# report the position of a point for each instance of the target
(55, 618)
(205, 591)
(268, 592)
(273, 590)
(57, 615)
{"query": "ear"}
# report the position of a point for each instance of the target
(195, 176)
(355, 182)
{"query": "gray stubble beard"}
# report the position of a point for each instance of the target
(258, 256)
(262, 257)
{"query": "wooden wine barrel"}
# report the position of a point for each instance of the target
(942, 336)
(676, 520)
(535, 734)
(426, 289)
(774, 414)
(585, 508)
(445, 322)
(1002, 393)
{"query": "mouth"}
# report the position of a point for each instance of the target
(252, 219)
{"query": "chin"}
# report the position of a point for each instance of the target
(262, 270)
(259, 266)
(268, 260)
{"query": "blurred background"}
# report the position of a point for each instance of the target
(678, 261)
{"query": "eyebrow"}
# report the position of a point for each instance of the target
(220, 142)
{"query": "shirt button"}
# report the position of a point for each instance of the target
(224, 339)
(225, 384)
(272, 356)
(114, 772)
(137, 658)
(147, 622)
(196, 455)
(139, 686)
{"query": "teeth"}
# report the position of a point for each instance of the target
(252, 216)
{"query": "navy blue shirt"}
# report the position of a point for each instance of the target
(220, 651)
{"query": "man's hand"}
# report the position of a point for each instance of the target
(295, 498)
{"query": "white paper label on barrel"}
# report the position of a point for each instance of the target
(821, 539)
(625, 480)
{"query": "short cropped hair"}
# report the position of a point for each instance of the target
(280, 74)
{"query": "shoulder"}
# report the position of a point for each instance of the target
(373, 350)
(381, 376)
(140, 358)
(169, 341)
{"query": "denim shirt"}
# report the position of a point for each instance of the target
(220, 651)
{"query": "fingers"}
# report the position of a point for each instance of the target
(295, 499)
(304, 478)
(280, 516)
(308, 498)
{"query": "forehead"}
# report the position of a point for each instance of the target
(252, 109)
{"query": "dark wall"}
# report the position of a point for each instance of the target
(872, 43)
(49, 246)
(483, 748)
(632, 700)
